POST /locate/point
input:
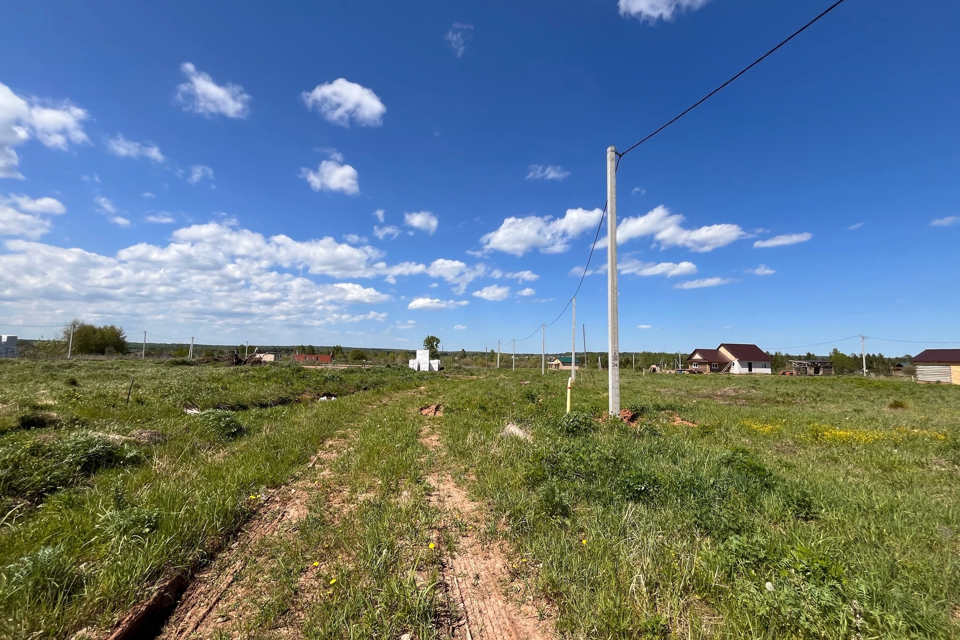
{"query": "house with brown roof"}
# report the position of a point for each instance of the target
(938, 365)
(731, 358)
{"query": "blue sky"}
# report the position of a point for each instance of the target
(369, 173)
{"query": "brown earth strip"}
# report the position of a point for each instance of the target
(216, 596)
(476, 578)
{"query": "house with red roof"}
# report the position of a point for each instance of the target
(731, 358)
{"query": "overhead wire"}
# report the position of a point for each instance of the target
(620, 155)
(743, 71)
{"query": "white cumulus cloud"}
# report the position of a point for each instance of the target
(526, 292)
(215, 275)
(160, 218)
(198, 172)
(457, 37)
(669, 269)
(104, 205)
(331, 175)
(644, 326)
(493, 293)
(459, 327)
(341, 100)
(388, 232)
(666, 228)
(946, 222)
(120, 146)
(23, 216)
(378, 214)
(782, 241)
(422, 220)
(704, 282)
(517, 236)
(551, 172)
(120, 221)
(653, 10)
(762, 270)
(200, 94)
(434, 304)
(55, 125)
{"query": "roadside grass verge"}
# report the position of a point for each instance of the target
(735, 507)
(93, 516)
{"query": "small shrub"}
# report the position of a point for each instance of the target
(576, 423)
(639, 486)
(896, 404)
(553, 501)
(220, 424)
(30, 469)
(181, 362)
(72, 382)
(47, 576)
(38, 420)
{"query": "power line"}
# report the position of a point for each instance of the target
(909, 341)
(752, 65)
(675, 119)
(817, 344)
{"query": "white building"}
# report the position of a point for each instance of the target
(8, 346)
(423, 362)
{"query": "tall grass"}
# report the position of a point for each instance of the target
(92, 515)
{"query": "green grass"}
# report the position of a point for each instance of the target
(847, 510)
(751, 507)
(91, 517)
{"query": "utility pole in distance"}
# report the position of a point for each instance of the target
(613, 364)
(143, 353)
(498, 354)
(70, 344)
(190, 355)
(573, 344)
(514, 355)
(863, 354)
(543, 349)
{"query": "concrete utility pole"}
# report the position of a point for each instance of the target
(70, 344)
(498, 354)
(863, 354)
(584, 327)
(612, 308)
(143, 353)
(514, 355)
(246, 348)
(573, 344)
(190, 355)
(543, 349)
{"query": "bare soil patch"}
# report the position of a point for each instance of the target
(476, 579)
(432, 410)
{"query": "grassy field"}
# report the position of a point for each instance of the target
(732, 508)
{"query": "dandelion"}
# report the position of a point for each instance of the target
(432, 545)
(524, 560)
(316, 564)
(332, 581)
(584, 541)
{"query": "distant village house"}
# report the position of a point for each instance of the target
(938, 365)
(812, 367)
(731, 358)
(8, 346)
(562, 363)
(319, 358)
